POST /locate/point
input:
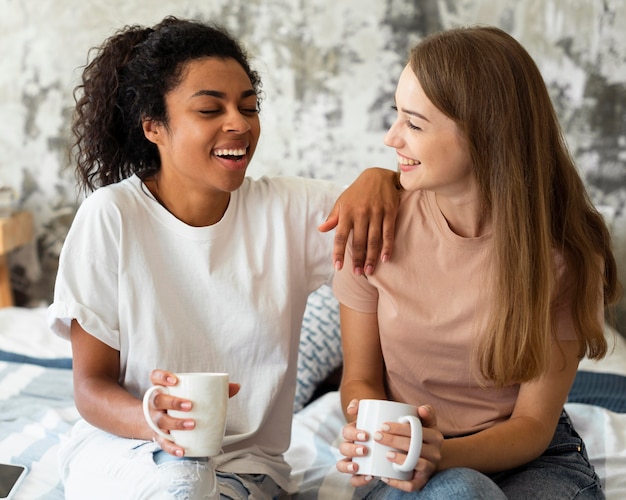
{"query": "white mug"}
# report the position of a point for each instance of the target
(373, 413)
(208, 393)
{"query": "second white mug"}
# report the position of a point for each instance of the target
(373, 413)
(208, 393)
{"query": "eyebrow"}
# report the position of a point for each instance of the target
(222, 95)
(414, 113)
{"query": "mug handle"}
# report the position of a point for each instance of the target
(415, 447)
(146, 411)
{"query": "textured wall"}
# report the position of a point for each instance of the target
(329, 69)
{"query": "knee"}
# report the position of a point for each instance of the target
(187, 479)
(462, 483)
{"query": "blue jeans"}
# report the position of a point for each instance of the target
(196, 478)
(563, 472)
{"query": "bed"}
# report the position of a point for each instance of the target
(37, 410)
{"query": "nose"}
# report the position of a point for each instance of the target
(392, 138)
(235, 121)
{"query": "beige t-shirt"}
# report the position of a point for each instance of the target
(431, 300)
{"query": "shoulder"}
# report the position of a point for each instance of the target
(296, 191)
(108, 206)
(291, 185)
(414, 204)
(119, 194)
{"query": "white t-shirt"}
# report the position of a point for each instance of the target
(227, 298)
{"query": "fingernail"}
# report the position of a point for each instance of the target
(369, 269)
(378, 436)
(385, 257)
(351, 467)
(385, 480)
(179, 453)
(185, 406)
(385, 427)
(361, 436)
(368, 478)
(390, 454)
(337, 265)
(189, 424)
(360, 450)
(358, 271)
(352, 404)
(171, 380)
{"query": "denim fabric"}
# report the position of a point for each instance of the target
(230, 486)
(563, 472)
(457, 484)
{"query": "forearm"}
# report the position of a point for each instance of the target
(110, 407)
(502, 447)
(359, 389)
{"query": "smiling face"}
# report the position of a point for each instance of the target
(212, 129)
(432, 151)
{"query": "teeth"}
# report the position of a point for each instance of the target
(406, 161)
(230, 152)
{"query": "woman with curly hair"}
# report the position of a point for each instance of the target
(178, 262)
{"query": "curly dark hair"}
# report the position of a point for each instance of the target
(126, 82)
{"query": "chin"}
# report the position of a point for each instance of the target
(407, 183)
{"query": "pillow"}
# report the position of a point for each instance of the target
(319, 352)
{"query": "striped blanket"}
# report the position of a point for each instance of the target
(37, 411)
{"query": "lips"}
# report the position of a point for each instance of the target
(232, 157)
(407, 164)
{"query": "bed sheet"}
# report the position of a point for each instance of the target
(37, 412)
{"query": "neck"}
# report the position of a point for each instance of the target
(194, 208)
(465, 218)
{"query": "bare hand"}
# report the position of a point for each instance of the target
(397, 436)
(161, 402)
(350, 449)
(368, 207)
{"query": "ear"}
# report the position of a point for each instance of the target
(152, 130)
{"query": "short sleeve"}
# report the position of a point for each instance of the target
(355, 292)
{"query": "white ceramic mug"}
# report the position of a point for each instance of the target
(208, 393)
(373, 413)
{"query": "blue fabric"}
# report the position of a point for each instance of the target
(46, 362)
(319, 352)
(607, 390)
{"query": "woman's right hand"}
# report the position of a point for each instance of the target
(430, 456)
(350, 449)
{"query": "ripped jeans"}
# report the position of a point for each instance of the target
(100, 466)
(195, 478)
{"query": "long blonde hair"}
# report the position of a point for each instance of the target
(489, 85)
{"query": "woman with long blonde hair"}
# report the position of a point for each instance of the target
(497, 287)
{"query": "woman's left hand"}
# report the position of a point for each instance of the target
(399, 436)
(161, 403)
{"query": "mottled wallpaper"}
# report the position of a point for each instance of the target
(329, 70)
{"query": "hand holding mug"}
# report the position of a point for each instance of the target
(366, 456)
(373, 414)
(397, 439)
(196, 411)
